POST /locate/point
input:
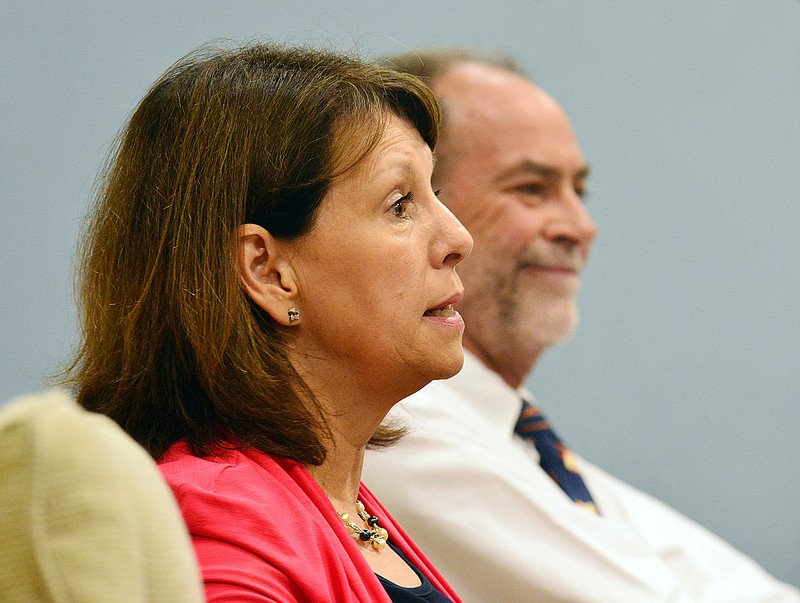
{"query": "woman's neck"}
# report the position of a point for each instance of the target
(340, 475)
(353, 411)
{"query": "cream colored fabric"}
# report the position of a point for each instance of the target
(84, 513)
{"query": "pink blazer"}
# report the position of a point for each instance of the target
(264, 531)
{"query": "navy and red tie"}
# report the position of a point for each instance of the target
(554, 456)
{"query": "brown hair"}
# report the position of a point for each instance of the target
(171, 345)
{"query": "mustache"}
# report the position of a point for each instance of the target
(552, 257)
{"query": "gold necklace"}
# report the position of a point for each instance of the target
(373, 534)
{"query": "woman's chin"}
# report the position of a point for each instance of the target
(447, 365)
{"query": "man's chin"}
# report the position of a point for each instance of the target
(554, 327)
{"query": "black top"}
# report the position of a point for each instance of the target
(425, 592)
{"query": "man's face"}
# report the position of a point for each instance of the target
(512, 172)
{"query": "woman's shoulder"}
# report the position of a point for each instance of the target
(179, 465)
(231, 471)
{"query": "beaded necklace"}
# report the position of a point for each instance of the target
(373, 534)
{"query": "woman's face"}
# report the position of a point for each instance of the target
(376, 275)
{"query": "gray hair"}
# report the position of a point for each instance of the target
(430, 63)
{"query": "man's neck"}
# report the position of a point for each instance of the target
(514, 369)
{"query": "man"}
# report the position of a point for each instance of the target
(500, 525)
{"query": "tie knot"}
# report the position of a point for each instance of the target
(530, 419)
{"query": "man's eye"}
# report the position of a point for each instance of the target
(533, 188)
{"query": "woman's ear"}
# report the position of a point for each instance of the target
(265, 274)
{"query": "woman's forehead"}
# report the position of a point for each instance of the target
(395, 145)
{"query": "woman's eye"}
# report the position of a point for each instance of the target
(399, 208)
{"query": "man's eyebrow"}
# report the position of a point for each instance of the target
(535, 168)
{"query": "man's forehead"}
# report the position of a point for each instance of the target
(465, 82)
(499, 102)
(501, 119)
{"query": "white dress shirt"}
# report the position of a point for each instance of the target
(473, 496)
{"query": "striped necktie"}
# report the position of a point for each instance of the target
(554, 456)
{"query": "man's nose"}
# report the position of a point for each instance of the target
(571, 221)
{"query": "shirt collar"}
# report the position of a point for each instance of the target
(488, 395)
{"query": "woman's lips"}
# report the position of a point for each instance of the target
(444, 311)
(445, 314)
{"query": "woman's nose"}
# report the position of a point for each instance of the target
(456, 242)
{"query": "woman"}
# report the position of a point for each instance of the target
(266, 272)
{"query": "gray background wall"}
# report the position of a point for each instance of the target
(683, 378)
